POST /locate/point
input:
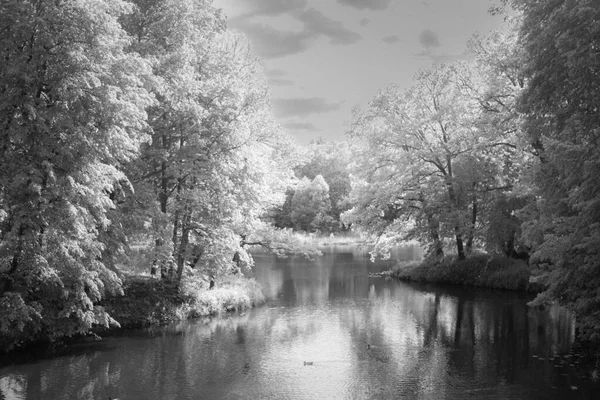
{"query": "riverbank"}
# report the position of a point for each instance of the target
(150, 302)
(333, 239)
(478, 270)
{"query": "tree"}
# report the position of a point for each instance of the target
(311, 205)
(437, 155)
(330, 160)
(499, 61)
(561, 39)
(72, 112)
(413, 140)
(217, 160)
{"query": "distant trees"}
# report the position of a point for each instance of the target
(324, 168)
(311, 205)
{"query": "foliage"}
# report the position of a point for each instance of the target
(330, 160)
(477, 270)
(503, 234)
(124, 122)
(311, 205)
(426, 161)
(435, 161)
(282, 242)
(231, 294)
(561, 120)
(217, 161)
(327, 159)
(150, 302)
(72, 111)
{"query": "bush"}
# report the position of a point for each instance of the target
(148, 302)
(232, 294)
(477, 270)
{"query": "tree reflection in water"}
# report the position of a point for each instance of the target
(366, 337)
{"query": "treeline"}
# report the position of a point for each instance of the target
(319, 194)
(125, 122)
(500, 153)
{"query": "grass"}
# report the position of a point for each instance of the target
(149, 302)
(480, 270)
(333, 239)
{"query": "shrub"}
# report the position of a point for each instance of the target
(477, 270)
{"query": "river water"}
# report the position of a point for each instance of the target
(329, 332)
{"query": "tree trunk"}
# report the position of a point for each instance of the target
(510, 245)
(174, 237)
(472, 230)
(452, 196)
(183, 243)
(459, 244)
(163, 194)
(436, 249)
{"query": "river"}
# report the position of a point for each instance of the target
(329, 332)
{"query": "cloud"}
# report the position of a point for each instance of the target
(391, 39)
(301, 126)
(276, 77)
(275, 73)
(271, 43)
(429, 39)
(364, 21)
(302, 106)
(366, 4)
(318, 24)
(280, 82)
(273, 8)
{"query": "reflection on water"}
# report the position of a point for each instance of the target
(361, 337)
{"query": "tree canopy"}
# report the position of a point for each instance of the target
(561, 39)
(148, 121)
(125, 122)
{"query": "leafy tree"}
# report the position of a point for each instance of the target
(217, 160)
(413, 141)
(503, 233)
(330, 160)
(311, 205)
(561, 39)
(434, 158)
(72, 112)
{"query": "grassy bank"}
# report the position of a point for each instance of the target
(148, 302)
(477, 270)
(334, 239)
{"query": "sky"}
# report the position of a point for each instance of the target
(322, 58)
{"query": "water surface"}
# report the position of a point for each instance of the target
(362, 338)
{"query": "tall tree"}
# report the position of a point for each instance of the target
(499, 61)
(561, 39)
(414, 140)
(72, 111)
(216, 156)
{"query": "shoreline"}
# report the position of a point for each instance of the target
(148, 303)
(493, 272)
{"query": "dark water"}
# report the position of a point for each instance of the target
(426, 342)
